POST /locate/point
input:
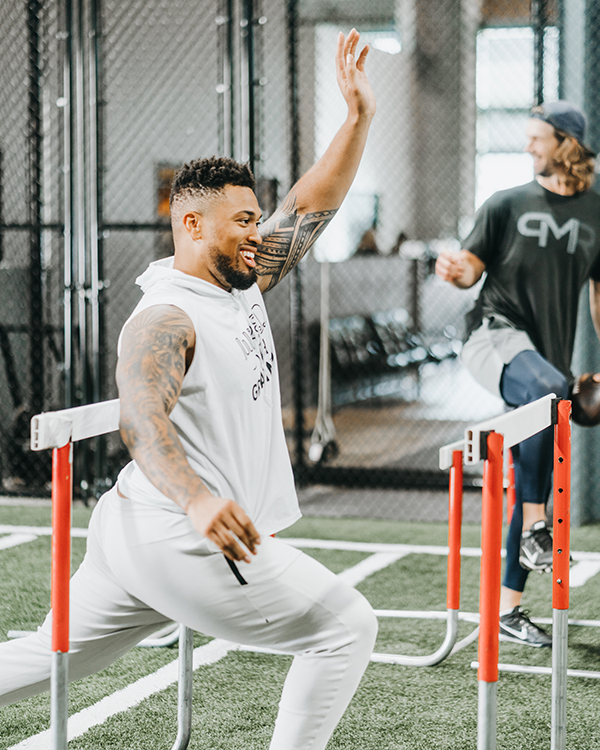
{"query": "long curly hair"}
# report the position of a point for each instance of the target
(575, 161)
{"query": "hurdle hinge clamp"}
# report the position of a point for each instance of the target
(554, 410)
(483, 446)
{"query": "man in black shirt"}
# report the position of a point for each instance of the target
(539, 243)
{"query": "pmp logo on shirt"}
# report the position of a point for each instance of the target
(536, 224)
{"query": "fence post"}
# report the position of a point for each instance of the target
(489, 594)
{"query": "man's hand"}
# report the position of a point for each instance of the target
(351, 76)
(224, 523)
(450, 266)
(462, 269)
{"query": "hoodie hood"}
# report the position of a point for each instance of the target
(161, 272)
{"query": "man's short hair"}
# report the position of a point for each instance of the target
(205, 178)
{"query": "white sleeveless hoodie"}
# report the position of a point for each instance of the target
(228, 416)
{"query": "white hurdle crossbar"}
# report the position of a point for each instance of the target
(58, 430)
(515, 426)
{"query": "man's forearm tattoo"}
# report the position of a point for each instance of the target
(287, 237)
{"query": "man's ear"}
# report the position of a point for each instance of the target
(192, 223)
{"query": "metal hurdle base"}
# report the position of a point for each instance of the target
(185, 688)
(59, 699)
(486, 715)
(429, 660)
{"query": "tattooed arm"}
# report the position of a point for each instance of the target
(315, 198)
(156, 349)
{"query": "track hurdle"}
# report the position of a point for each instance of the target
(58, 431)
(487, 441)
(452, 581)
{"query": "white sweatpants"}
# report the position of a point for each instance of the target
(146, 566)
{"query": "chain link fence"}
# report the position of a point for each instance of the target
(101, 101)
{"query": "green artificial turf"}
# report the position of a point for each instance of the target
(235, 699)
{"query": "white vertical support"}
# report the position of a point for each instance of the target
(486, 715)
(559, 678)
(184, 694)
(59, 700)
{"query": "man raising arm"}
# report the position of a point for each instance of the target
(210, 475)
(217, 240)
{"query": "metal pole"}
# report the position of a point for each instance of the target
(296, 287)
(93, 203)
(539, 21)
(80, 202)
(62, 459)
(36, 310)
(489, 595)
(225, 23)
(97, 472)
(1, 205)
(185, 688)
(247, 84)
(68, 120)
(560, 573)
(323, 436)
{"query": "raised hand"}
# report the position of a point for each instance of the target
(351, 76)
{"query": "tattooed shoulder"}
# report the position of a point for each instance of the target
(154, 352)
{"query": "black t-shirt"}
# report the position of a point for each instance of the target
(539, 248)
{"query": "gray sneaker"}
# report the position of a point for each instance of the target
(518, 628)
(536, 548)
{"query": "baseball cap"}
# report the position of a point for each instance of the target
(563, 116)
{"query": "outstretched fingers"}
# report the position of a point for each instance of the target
(362, 58)
(351, 44)
(351, 75)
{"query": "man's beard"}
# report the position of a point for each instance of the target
(547, 170)
(230, 275)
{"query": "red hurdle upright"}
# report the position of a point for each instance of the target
(454, 532)
(489, 597)
(491, 542)
(62, 463)
(560, 572)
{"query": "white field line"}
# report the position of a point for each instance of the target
(582, 572)
(38, 530)
(128, 697)
(372, 547)
(526, 669)
(589, 562)
(211, 653)
(14, 540)
(357, 573)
